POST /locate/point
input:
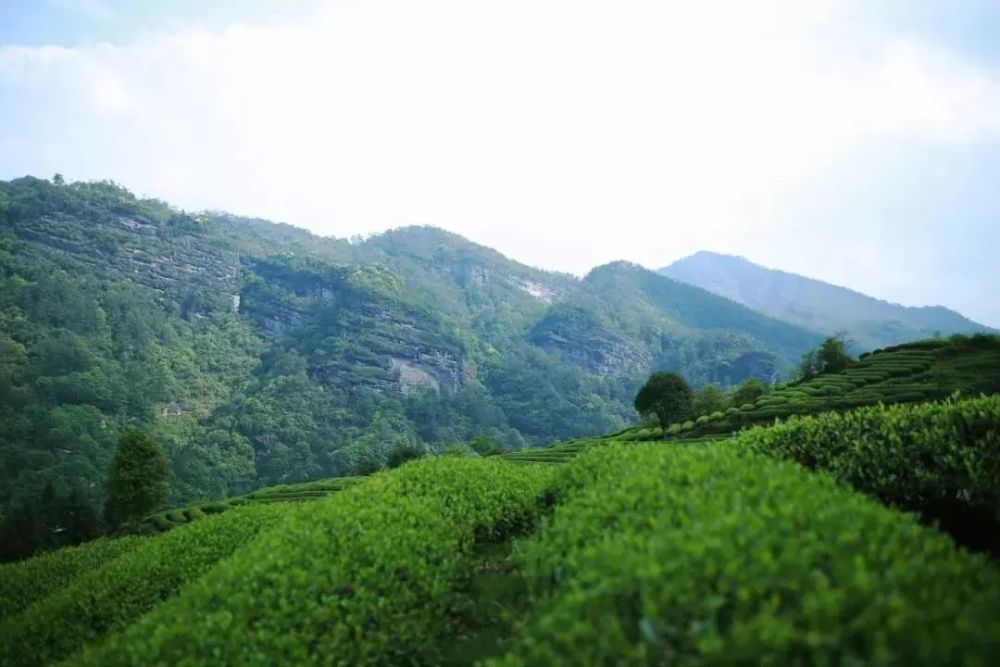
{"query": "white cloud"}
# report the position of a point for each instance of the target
(562, 133)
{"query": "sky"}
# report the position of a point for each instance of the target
(853, 141)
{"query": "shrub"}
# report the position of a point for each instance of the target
(111, 597)
(701, 420)
(687, 426)
(30, 580)
(214, 508)
(942, 459)
(364, 577)
(712, 555)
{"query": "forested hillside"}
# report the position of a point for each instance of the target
(257, 353)
(816, 305)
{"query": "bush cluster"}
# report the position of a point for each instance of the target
(164, 521)
(941, 459)
(24, 582)
(715, 555)
(113, 596)
(362, 577)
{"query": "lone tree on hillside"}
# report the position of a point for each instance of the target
(666, 396)
(748, 392)
(139, 479)
(830, 357)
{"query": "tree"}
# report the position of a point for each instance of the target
(833, 354)
(708, 399)
(484, 445)
(830, 357)
(666, 396)
(748, 392)
(139, 479)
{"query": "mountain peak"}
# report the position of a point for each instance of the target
(814, 304)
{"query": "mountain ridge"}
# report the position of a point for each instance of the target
(816, 304)
(259, 353)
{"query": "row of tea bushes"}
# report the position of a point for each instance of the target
(715, 555)
(26, 581)
(941, 459)
(113, 596)
(169, 519)
(364, 577)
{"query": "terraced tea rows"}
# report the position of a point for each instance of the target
(305, 491)
(912, 373)
(704, 551)
(712, 555)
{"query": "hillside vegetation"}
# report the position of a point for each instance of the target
(909, 373)
(258, 354)
(771, 546)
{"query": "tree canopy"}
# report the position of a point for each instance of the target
(139, 479)
(666, 396)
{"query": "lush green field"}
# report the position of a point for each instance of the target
(753, 549)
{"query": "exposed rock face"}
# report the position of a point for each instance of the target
(140, 250)
(580, 339)
(354, 338)
(537, 290)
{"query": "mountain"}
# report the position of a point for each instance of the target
(816, 305)
(258, 353)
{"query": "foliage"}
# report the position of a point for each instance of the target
(139, 480)
(665, 395)
(484, 446)
(748, 392)
(940, 459)
(304, 491)
(708, 399)
(912, 373)
(392, 549)
(50, 521)
(121, 590)
(31, 580)
(714, 555)
(830, 357)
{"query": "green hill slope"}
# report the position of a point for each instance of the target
(910, 373)
(710, 552)
(257, 353)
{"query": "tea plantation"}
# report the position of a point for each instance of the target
(915, 372)
(865, 535)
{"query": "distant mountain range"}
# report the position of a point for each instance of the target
(816, 305)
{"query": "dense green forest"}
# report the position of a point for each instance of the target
(257, 353)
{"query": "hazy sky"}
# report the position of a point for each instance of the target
(856, 142)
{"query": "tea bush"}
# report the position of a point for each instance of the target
(715, 555)
(27, 581)
(363, 577)
(914, 456)
(110, 597)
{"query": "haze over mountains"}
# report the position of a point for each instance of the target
(817, 305)
(258, 353)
